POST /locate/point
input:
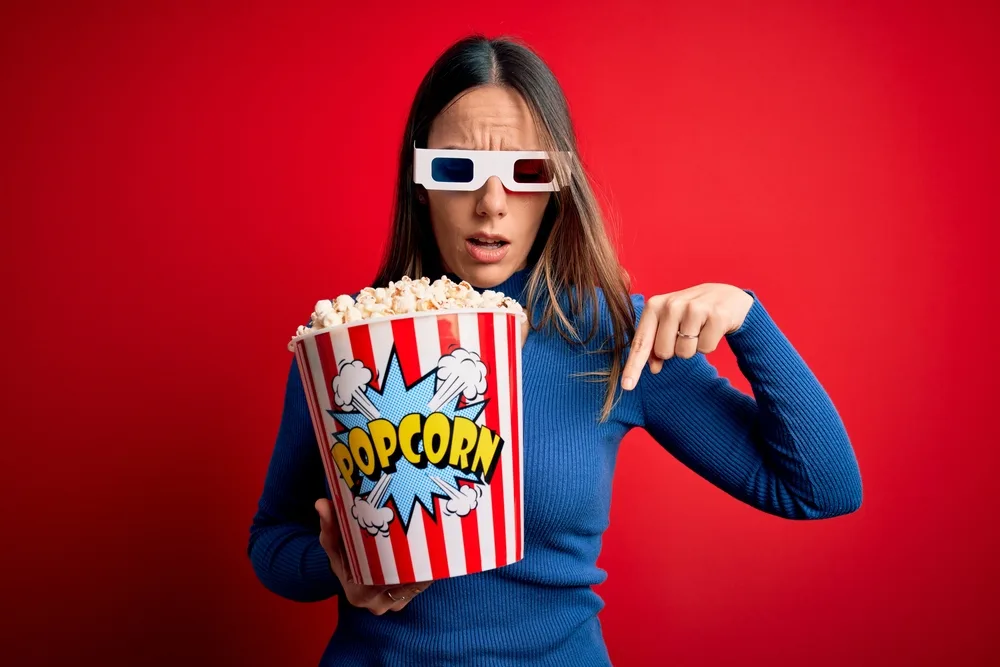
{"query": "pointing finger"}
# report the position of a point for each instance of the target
(645, 334)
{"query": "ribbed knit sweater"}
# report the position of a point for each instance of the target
(784, 450)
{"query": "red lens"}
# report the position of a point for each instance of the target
(533, 171)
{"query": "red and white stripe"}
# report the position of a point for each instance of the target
(313, 372)
(445, 546)
(482, 519)
(514, 340)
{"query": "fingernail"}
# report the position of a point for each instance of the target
(628, 383)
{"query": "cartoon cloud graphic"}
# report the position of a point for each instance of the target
(367, 511)
(461, 372)
(460, 501)
(349, 389)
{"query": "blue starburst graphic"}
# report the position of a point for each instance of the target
(409, 484)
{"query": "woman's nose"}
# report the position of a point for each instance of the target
(492, 199)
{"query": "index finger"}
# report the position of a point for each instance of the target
(642, 345)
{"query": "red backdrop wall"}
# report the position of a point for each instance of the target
(182, 182)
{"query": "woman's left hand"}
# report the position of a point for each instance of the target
(683, 324)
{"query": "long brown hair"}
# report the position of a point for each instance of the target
(572, 255)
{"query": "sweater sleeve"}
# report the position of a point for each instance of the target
(784, 451)
(284, 543)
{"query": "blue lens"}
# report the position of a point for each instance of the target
(451, 169)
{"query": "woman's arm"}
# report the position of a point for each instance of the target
(284, 538)
(786, 453)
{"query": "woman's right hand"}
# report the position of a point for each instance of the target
(377, 599)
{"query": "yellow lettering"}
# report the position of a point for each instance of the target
(437, 432)
(410, 427)
(361, 448)
(486, 457)
(463, 441)
(384, 440)
(446, 442)
(342, 457)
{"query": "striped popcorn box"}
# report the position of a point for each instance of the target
(418, 419)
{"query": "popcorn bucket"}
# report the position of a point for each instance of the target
(419, 420)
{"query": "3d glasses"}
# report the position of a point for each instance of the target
(465, 170)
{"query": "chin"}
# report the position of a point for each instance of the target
(487, 277)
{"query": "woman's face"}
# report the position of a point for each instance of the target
(484, 236)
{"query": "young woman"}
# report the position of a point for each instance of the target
(784, 451)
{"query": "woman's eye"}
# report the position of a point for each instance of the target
(531, 171)
(452, 170)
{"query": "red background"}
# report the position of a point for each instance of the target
(181, 183)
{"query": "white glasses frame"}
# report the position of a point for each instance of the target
(485, 164)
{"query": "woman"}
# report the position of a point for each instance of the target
(784, 451)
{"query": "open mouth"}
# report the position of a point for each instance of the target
(488, 243)
(487, 248)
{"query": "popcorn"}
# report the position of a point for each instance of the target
(353, 314)
(331, 319)
(404, 303)
(403, 297)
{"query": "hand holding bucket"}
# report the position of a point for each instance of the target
(377, 599)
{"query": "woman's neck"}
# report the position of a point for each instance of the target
(514, 286)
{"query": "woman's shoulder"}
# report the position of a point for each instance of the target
(580, 308)
(635, 300)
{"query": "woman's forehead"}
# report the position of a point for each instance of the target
(486, 118)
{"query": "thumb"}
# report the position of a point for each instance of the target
(325, 509)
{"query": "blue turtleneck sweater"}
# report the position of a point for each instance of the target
(784, 451)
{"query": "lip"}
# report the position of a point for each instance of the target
(490, 237)
(486, 255)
